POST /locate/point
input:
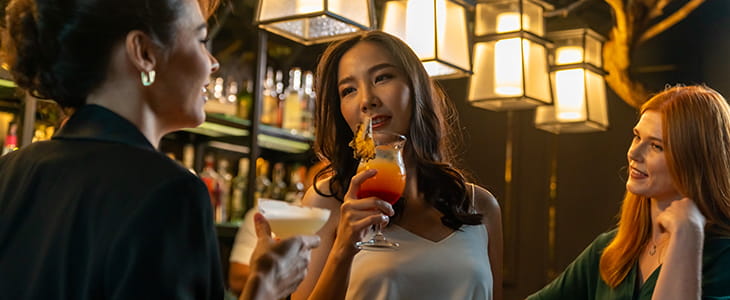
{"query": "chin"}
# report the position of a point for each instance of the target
(199, 119)
(192, 119)
(632, 189)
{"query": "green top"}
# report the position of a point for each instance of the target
(582, 279)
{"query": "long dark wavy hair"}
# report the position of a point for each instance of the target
(431, 139)
(61, 50)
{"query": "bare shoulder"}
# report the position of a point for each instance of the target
(485, 202)
(312, 198)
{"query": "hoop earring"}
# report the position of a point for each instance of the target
(148, 78)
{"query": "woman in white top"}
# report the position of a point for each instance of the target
(442, 222)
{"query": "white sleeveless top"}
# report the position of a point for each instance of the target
(457, 267)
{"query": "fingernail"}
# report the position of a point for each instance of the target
(385, 218)
(258, 217)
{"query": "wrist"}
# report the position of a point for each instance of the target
(690, 234)
(343, 254)
(259, 286)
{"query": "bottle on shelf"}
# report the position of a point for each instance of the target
(263, 183)
(308, 98)
(224, 182)
(11, 139)
(278, 189)
(245, 100)
(232, 95)
(212, 179)
(292, 119)
(280, 94)
(42, 133)
(188, 157)
(223, 100)
(218, 89)
(270, 101)
(239, 184)
(295, 191)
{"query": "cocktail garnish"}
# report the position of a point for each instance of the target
(363, 142)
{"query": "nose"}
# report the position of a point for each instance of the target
(635, 152)
(369, 101)
(214, 66)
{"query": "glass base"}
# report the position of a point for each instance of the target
(377, 245)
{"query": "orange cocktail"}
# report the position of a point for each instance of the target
(387, 184)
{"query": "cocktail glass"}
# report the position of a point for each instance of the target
(387, 184)
(288, 220)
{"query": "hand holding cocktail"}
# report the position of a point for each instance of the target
(277, 268)
(387, 184)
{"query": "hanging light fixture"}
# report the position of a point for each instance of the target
(578, 85)
(435, 30)
(315, 21)
(510, 56)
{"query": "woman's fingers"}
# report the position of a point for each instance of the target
(680, 213)
(262, 227)
(357, 180)
(367, 222)
(368, 204)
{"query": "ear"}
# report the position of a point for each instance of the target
(141, 50)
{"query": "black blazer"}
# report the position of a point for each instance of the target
(98, 213)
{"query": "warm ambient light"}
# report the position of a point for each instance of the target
(569, 85)
(507, 58)
(510, 56)
(315, 21)
(578, 85)
(435, 30)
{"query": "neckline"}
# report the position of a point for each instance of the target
(453, 232)
(641, 287)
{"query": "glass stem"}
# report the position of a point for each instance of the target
(378, 233)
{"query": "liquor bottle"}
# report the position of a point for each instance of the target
(11, 139)
(263, 184)
(239, 204)
(188, 156)
(218, 90)
(212, 181)
(224, 182)
(280, 94)
(278, 190)
(308, 98)
(270, 103)
(245, 99)
(295, 191)
(293, 102)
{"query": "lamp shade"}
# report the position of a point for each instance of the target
(578, 85)
(435, 30)
(510, 56)
(315, 21)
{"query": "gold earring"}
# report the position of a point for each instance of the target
(148, 78)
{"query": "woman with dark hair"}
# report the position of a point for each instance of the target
(97, 212)
(673, 235)
(449, 230)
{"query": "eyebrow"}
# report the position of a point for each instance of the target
(372, 69)
(636, 132)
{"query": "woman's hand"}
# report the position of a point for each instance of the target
(682, 217)
(681, 273)
(277, 268)
(358, 215)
